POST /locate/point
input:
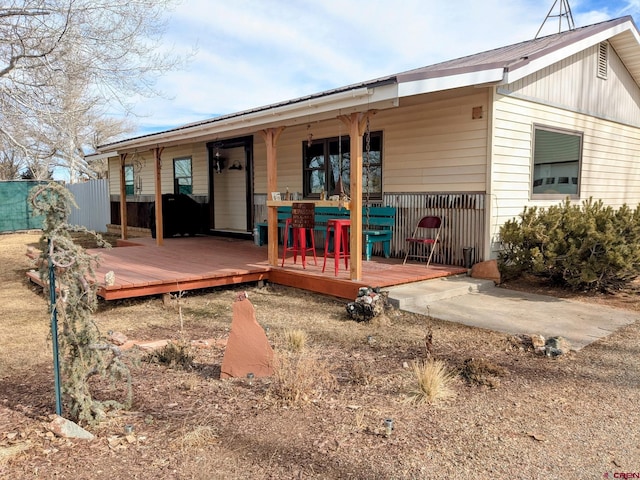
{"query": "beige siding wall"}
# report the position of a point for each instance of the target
(609, 171)
(435, 145)
(573, 83)
(114, 175)
(144, 167)
(431, 144)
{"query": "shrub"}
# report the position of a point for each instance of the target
(586, 247)
(298, 377)
(433, 381)
(175, 355)
(295, 340)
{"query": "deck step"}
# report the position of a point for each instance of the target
(422, 294)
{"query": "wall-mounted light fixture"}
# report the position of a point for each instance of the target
(218, 162)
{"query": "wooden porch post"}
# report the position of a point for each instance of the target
(271, 136)
(356, 123)
(157, 155)
(123, 199)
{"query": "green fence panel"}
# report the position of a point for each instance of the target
(15, 210)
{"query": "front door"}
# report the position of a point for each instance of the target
(230, 184)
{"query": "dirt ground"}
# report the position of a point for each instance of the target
(573, 416)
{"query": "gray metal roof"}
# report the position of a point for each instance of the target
(510, 57)
(525, 56)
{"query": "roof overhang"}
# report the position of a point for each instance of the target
(313, 108)
(449, 80)
(622, 34)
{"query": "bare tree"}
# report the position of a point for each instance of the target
(65, 63)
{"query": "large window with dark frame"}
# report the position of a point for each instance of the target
(557, 155)
(182, 176)
(328, 159)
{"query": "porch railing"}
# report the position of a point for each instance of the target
(463, 216)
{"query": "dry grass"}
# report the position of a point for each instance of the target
(295, 340)
(200, 436)
(433, 381)
(25, 317)
(298, 378)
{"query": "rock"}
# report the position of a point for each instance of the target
(487, 270)
(537, 341)
(248, 349)
(150, 346)
(61, 427)
(110, 278)
(555, 346)
(117, 338)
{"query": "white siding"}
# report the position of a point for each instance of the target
(574, 84)
(609, 171)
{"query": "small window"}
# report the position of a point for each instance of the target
(603, 60)
(557, 155)
(128, 180)
(182, 177)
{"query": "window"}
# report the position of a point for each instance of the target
(182, 178)
(556, 159)
(326, 160)
(128, 180)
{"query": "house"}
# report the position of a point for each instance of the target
(474, 140)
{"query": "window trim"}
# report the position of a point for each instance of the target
(176, 185)
(555, 196)
(308, 195)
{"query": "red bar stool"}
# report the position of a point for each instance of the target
(298, 243)
(340, 228)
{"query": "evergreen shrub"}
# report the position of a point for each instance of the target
(582, 247)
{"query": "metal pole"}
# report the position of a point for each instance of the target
(54, 332)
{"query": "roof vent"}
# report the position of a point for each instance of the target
(603, 60)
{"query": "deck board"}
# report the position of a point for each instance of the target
(142, 268)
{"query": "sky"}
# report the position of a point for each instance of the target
(244, 54)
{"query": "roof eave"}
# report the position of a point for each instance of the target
(380, 95)
(543, 59)
(436, 83)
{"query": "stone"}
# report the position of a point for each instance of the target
(537, 341)
(555, 346)
(150, 346)
(486, 270)
(248, 349)
(110, 278)
(61, 427)
(117, 338)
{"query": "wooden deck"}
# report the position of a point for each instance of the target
(200, 262)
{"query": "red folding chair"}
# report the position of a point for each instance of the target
(425, 236)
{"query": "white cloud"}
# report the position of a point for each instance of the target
(256, 52)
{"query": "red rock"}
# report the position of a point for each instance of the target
(61, 427)
(487, 270)
(118, 338)
(148, 346)
(248, 349)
